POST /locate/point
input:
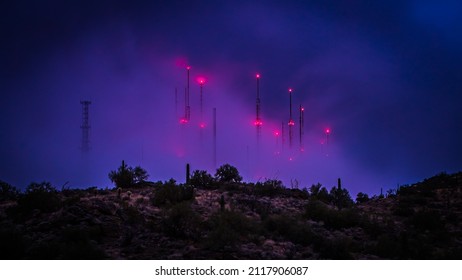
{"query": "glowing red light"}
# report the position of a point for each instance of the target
(327, 130)
(201, 80)
(303, 109)
(258, 122)
(188, 67)
(291, 122)
(276, 133)
(290, 90)
(202, 125)
(258, 76)
(183, 121)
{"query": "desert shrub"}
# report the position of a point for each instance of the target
(133, 215)
(180, 221)
(127, 176)
(341, 198)
(40, 196)
(362, 198)
(170, 193)
(226, 228)
(290, 229)
(228, 174)
(269, 188)
(201, 179)
(320, 193)
(332, 218)
(8, 192)
(316, 210)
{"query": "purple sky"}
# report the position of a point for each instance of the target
(385, 78)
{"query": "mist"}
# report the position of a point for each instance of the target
(130, 61)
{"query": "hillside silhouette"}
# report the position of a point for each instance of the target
(220, 217)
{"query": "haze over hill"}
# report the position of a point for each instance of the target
(384, 77)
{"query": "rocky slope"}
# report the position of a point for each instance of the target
(232, 221)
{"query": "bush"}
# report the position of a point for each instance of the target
(8, 192)
(228, 174)
(291, 229)
(332, 218)
(170, 193)
(126, 176)
(227, 228)
(41, 196)
(269, 188)
(320, 193)
(341, 198)
(201, 178)
(181, 221)
(362, 198)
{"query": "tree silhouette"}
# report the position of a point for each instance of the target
(200, 178)
(8, 192)
(228, 174)
(126, 176)
(42, 196)
(341, 197)
(362, 197)
(139, 175)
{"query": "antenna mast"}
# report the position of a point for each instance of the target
(291, 121)
(85, 126)
(258, 121)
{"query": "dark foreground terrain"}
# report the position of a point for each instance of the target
(229, 220)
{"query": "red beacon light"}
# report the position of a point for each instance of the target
(291, 123)
(188, 67)
(276, 133)
(258, 122)
(303, 109)
(258, 76)
(200, 80)
(327, 130)
(202, 125)
(290, 90)
(183, 121)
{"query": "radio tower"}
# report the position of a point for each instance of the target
(187, 108)
(258, 122)
(291, 121)
(215, 138)
(85, 126)
(202, 124)
(302, 110)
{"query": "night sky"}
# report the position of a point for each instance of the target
(384, 76)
